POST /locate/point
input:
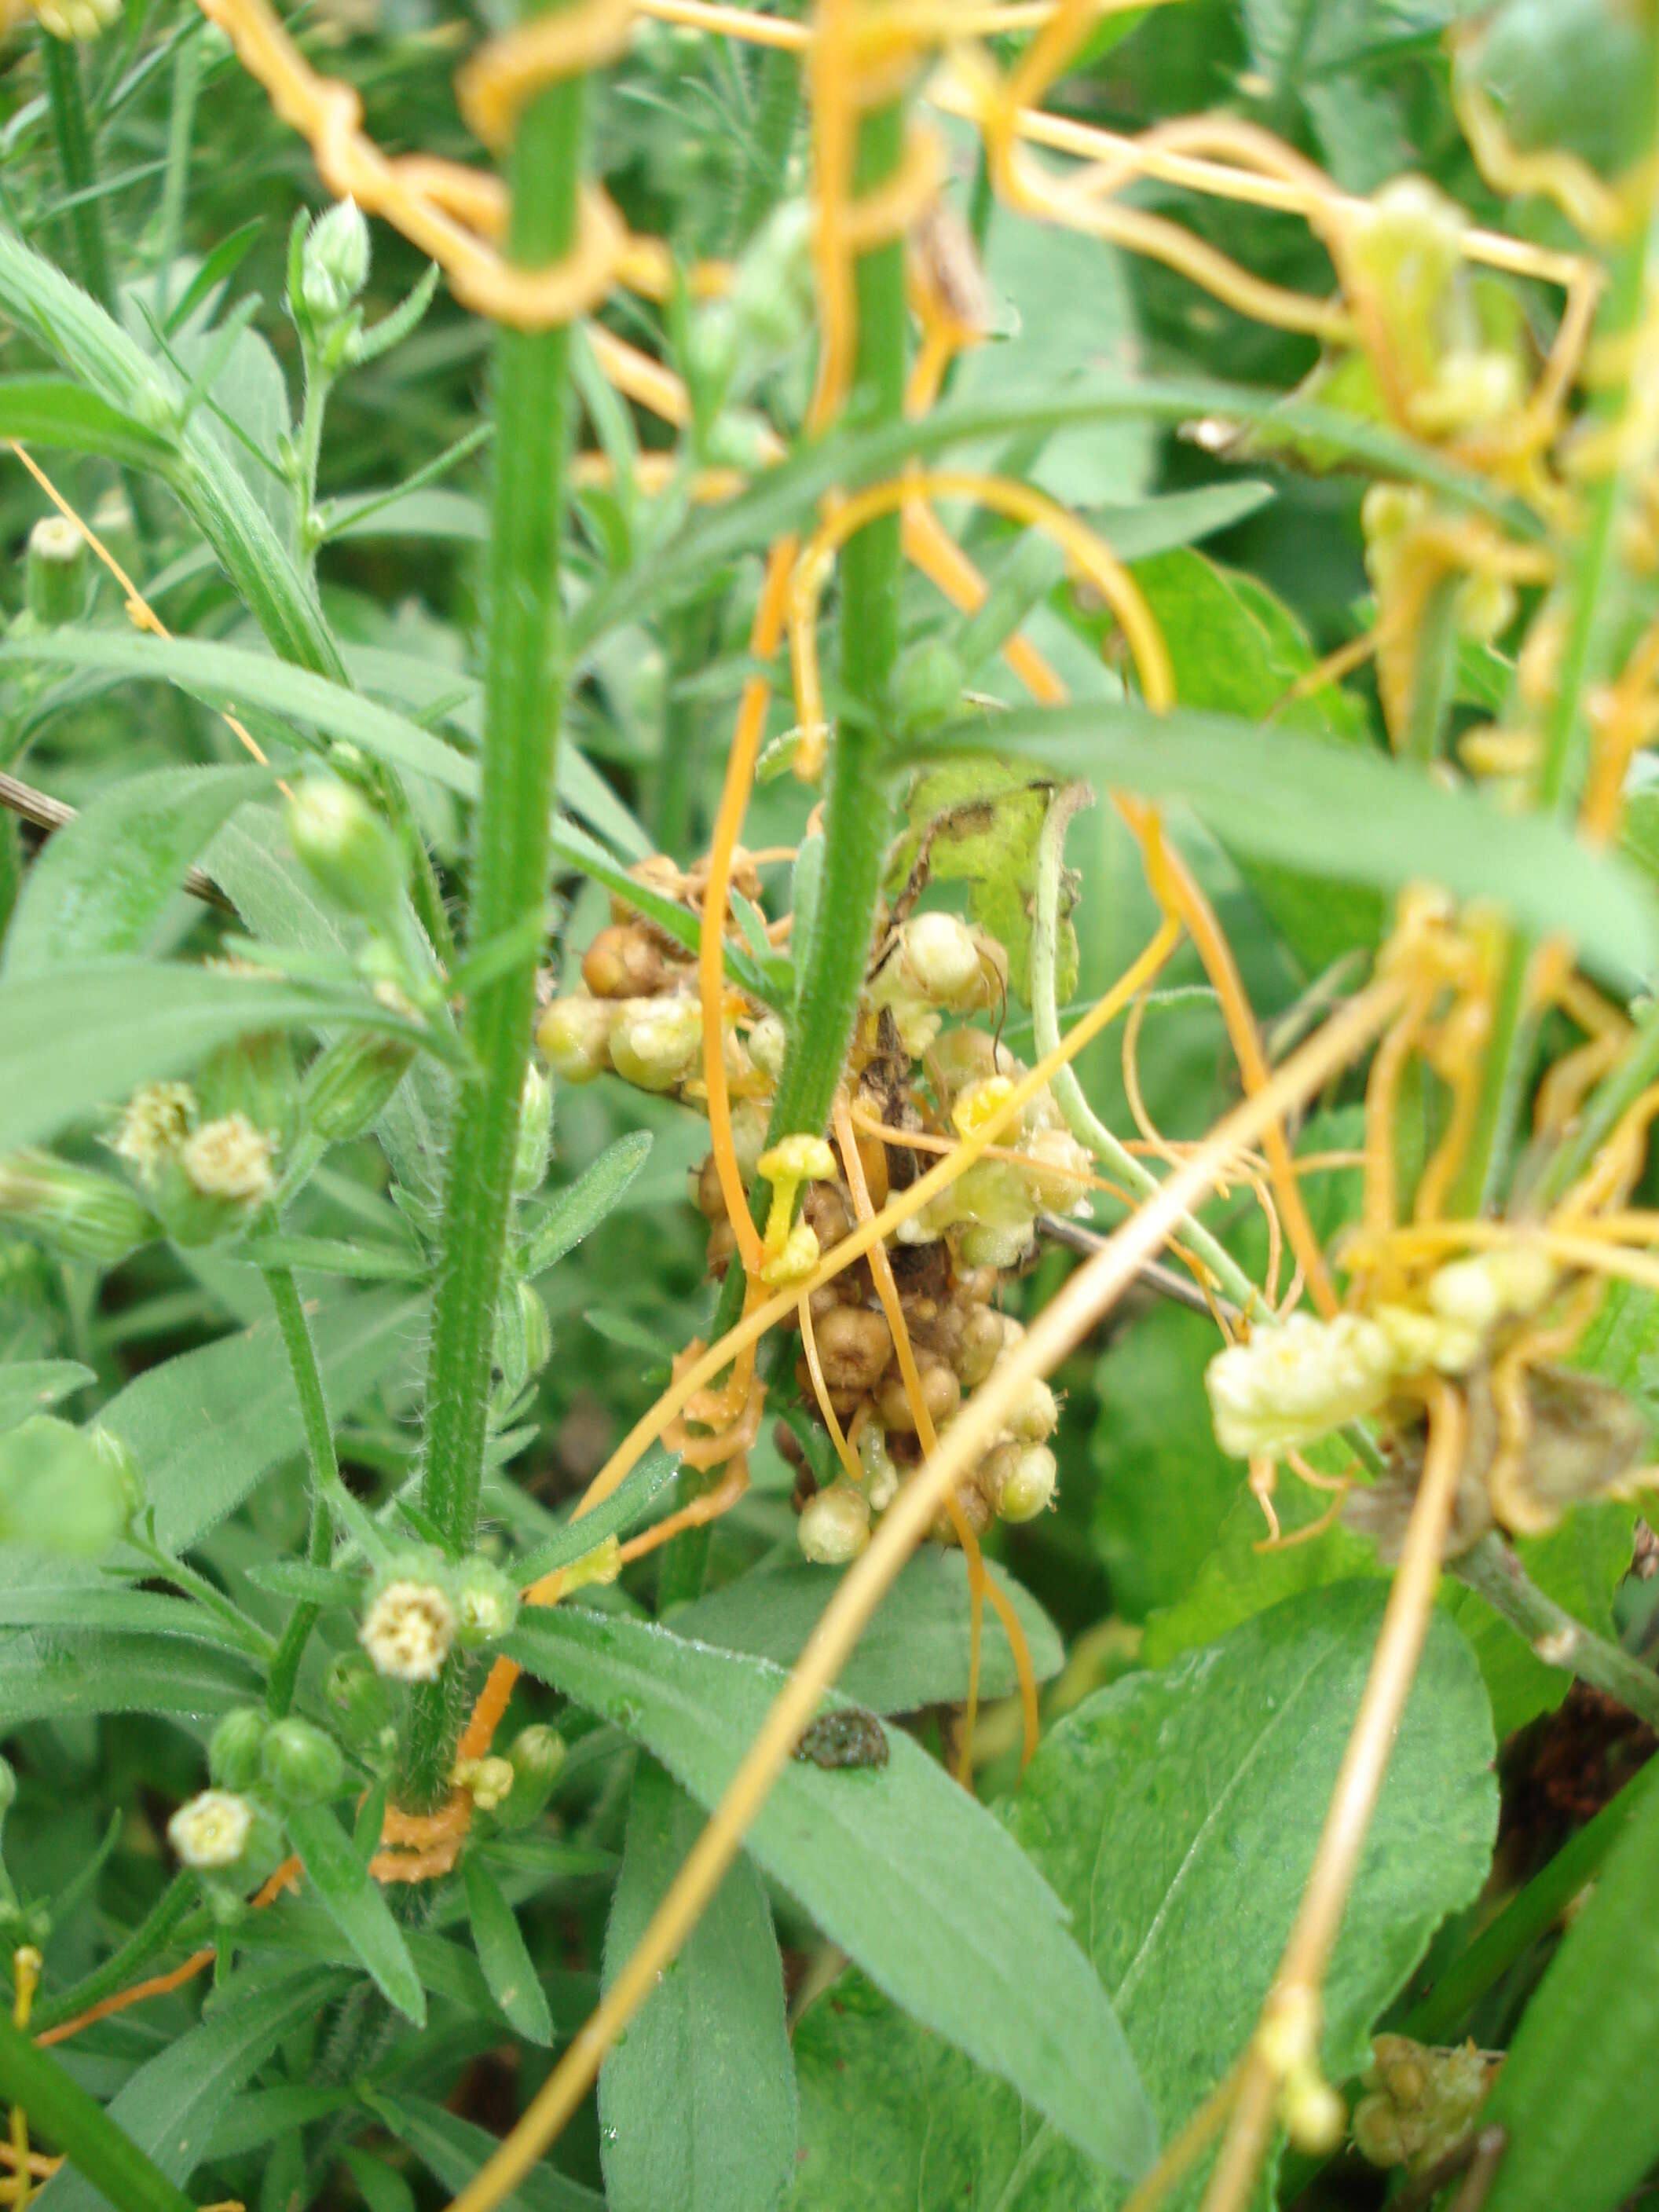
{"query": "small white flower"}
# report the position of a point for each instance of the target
(230, 1158)
(835, 1526)
(657, 1043)
(155, 1122)
(407, 1630)
(212, 1829)
(1295, 1381)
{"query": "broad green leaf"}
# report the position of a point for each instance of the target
(355, 1903)
(1147, 526)
(204, 1426)
(454, 2149)
(980, 821)
(1352, 815)
(507, 1965)
(33, 1386)
(1238, 650)
(172, 2104)
(50, 410)
(259, 2115)
(84, 1037)
(105, 882)
(1176, 1815)
(984, 1956)
(48, 1674)
(697, 2102)
(572, 1214)
(913, 1653)
(1165, 1484)
(1579, 2092)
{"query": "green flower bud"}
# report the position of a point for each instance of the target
(835, 1526)
(1018, 1480)
(348, 1086)
(299, 1763)
(347, 847)
(711, 358)
(55, 572)
(772, 293)
(768, 1040)
(365, 1710)
(536, 1755)
(486, 1603)
(334, 265)
(573, 1038)
(535, 1132)
(234, 1748)
(79, 1214)
(523, 1337)
(123, 1467)
(78, 20)
(59, 1490)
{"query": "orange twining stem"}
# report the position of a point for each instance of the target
(767, 631)
(435, 203)
(139, 610)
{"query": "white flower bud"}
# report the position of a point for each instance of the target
(985, 1245)
(489, 1780)
(81, 19)
(1423, 1340)
(1295, 1381)
(881, 1479)
(212, 1830)
(230, 1158)
(1062, 1172)
(334, 267)
(942, 957)
(835, 1526)
(1035, 1415)
(1019, 1479)
(657, 1043)
(407, 1630)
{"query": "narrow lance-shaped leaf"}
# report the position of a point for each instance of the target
(575, 1213)
(984, 1956)
(355, 1903)
(697, 2102)
(507, 1964)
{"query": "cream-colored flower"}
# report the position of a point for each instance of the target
(230, 1158)
(156, 1124)
(1294, 1383)
(212, 1829)
(407, 1630)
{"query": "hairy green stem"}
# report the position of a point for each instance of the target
(1493, 1571)
(325, 1473)
(1080, 1118)
(61, 2111)
(71, 130)
(523, 699)
(1527, 1916)
(159, 1928)
(1596, 636)
(858, 808)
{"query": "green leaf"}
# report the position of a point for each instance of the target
(575, 1213)
(331, 1256)
(1176, 1815)
(697, 2102)
(105, 882)
(382, 2188)
(83, 1037)
(1579, 2092)
(914, 1652)
(454, 2149)
(1146, 527)
(355, 1902)
(50, 410)
(171, 2105)
(507, 1965)
(613, 1516)
(983, 1956)
(204, 1426)
(979, 821)
(46, 1675)
(32, 1386)
(1352, 815)
(58, 1493)
(1238, 650)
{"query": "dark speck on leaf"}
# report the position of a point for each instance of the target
(850, 1738)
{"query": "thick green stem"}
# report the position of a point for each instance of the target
(1492, 1571)
(858, 807)
(155, 1932)
(61, 2111)
(61, 61)
(325, 1473)
(523, 697)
